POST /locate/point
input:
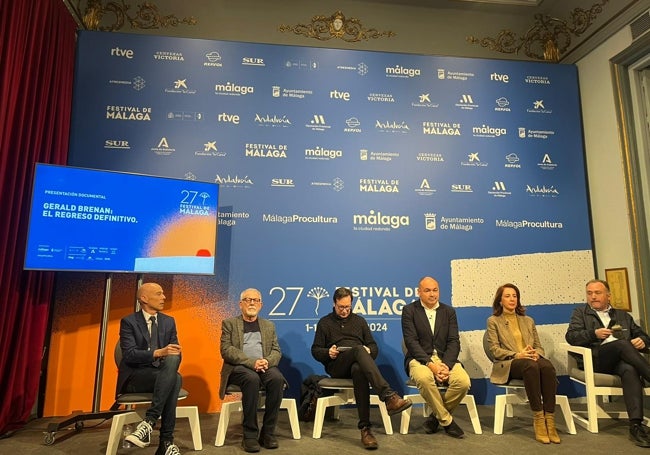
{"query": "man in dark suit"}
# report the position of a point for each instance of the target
(432, 343)
(151, 356)
(251, 354)
(615, 341)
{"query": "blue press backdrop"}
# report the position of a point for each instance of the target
(346, 168)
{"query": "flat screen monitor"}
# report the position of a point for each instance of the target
(106, 221)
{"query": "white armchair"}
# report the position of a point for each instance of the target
(597, 385)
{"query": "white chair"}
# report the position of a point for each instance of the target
(344, 394)
(515, 393)
(416, 398)
(132, 400)
(228, 407)
(597, 385)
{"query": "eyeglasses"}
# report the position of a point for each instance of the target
(342, 308)
(249, 300)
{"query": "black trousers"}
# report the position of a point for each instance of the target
(165, 383)
(622, 359)
(361, 367)
(251, 382)
(540, 382)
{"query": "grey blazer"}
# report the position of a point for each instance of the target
(503, 346)
(232, 343)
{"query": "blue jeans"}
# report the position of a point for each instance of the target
(165, 383)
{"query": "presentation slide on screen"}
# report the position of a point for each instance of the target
(92, 220)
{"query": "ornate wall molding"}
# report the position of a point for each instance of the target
(113, 15)
(547, 39)
(325, 28)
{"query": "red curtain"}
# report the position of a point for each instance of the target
(37, 45)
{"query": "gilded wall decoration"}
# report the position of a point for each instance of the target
(336, 26)
(113, 15)
(547, 39)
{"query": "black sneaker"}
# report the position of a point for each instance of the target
(431, 424)
(454, 430)
(639, 435)
(167, 448)
(141, 437)
(250, 445)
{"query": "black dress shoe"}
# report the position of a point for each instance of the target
(639, 435)
(250, 445)
(454, 430)
(431, 424)
(268, 441)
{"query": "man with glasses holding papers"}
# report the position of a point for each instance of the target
(345, 346)
(251, 354)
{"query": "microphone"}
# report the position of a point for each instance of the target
(506, 323)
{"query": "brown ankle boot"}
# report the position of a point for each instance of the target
(368, 439)
(396, 404)
(549, 417)
(539, 425)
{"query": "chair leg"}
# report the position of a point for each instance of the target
(117, 425)
(224, 420)
(473, 413)
(292, 409)
(319, 417)
(192, 413)
(388, 424)
(500, 404)
(563, 402)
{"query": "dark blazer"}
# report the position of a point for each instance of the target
(503, 345)
(232, 343)
(419, 339)
(135, 343)
(585, 321)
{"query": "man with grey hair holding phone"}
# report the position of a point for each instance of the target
(615, 341)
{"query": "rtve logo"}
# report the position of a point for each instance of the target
(500, 77)
(118, 52)
(336, 95)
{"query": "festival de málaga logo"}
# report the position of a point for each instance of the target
(441, 128)
(379, 185)
(135, 113)
(265, 151)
